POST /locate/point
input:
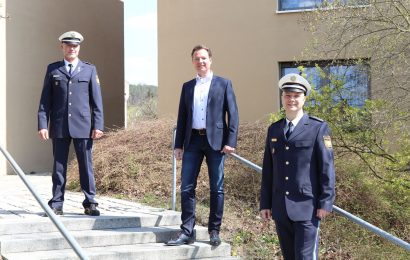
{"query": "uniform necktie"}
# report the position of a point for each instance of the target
(71, 68)
(290, 130)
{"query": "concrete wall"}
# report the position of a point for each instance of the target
(248, 40)
(32, 43)
(3, 165)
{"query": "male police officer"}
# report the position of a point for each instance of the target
(298, 175)
(71, 106)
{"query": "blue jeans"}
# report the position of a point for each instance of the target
(191, 165)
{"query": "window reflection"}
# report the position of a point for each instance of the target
(354, 76)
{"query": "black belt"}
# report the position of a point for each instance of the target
(199, 131)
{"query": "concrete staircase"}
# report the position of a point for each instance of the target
(139, 236)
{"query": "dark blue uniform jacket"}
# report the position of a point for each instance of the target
(71, 106)
(298, 174)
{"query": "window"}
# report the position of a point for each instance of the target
(288, 5)
(291, 5)
(356, 78)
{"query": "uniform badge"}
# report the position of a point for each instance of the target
(97, 79)
(273, 150)
(328, 141)
(274, 140)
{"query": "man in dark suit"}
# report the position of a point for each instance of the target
(298, 177)
(71, 108)
(207, 126)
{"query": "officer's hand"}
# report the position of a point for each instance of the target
(227, 149)
(96, 134)
(321, 213)
(266, 214)
(43, 133)
(178, 153)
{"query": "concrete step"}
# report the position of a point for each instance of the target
(148, 251)
(92, 238)
(82, 222)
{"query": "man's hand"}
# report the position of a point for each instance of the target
(43, 133)
(227, 149)
(178, 153)
(96, 134)
(321, 213)
(266, 214)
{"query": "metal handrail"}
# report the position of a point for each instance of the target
(336, 209)
(70, 239)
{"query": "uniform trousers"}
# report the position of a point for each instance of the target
(191, 164)
(83, 150)
(298, 239)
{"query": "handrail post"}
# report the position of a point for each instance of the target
(70, 239)
(174, 171)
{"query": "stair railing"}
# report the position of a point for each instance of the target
(66, 234)
(336, 209)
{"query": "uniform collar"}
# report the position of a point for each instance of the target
(205, 79)
(296, 120)
(75, 62)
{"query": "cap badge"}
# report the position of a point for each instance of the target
(293, 78)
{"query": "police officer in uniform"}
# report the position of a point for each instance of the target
(71, 109)
(298, 177)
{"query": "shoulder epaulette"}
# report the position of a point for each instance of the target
(316, 118)
(89, 63)
(57, 62)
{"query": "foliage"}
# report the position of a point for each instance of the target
(141, 93)
(376, 133)
(374, 29)
(142, 103)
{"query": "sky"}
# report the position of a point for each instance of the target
(140, 29)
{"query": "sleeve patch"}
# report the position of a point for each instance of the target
(327, 141)
(97, 79)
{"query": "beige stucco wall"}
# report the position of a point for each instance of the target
(248, 40)
(32, 43)
(3, 164)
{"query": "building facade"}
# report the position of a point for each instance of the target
(254, 43)
(29, 42)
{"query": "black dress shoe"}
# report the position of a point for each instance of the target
(91, 210)
(214, 238)
(181, 240)
(56, 211)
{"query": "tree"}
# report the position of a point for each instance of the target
(373, 31)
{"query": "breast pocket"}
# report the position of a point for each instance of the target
(303, 144)
(83, 82)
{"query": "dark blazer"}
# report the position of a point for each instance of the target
(71, 106)
(298, 174)
(221, 116)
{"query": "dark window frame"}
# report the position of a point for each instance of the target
(316, 4)
(328, 66)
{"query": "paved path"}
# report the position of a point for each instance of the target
(17, 202)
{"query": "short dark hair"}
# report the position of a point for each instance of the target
(201, 47)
